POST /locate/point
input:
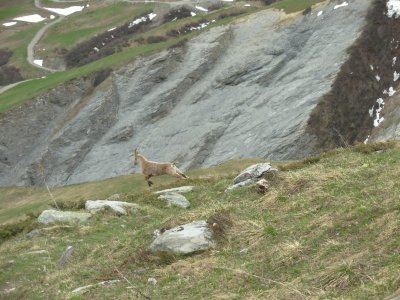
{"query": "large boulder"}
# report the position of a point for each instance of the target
(118, 207)
(184, 239)
(51, 216)
(254, 172)
(175, 199)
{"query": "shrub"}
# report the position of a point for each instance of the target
(5, 55)
(9, 74)
(307, 11)
(177, 13)
(156, 39)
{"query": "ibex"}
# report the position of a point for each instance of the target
(152, 168)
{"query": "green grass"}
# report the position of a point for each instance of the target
(12, 9)
(291, 6)
(333, 236)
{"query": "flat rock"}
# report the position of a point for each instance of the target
(175, 199)
(118, 207)
(240, 184)
(114, 197)
(253, 172)
(181, 189)
(184, 239)
(51, 216)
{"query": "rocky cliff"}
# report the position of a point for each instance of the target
(243, 90)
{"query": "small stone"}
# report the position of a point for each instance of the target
(262, 186)
(152, 280)
(114, 197)
(118, 207)
(65, 256)
(34, 233)
(181, 189)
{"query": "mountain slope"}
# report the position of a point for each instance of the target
(244, 90)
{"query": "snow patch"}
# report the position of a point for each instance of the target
(192, 14)
(52, 17)
(96, 49)
(247, 5)
(38, 62)
(227, 0)
(8, 24)
(389, 92)
(371, 67)
(201, 8)
(30, 19)
(378, 78)
(366, 140)
(320, 13)
(393, 7)
(341, 5)
(396, 76)
(65, 11)
(151, 16)
(111, 29)
(394, 61)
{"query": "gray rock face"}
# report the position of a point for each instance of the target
(175, 199)
(51, 216)
(243, 90)
(118, 207)
(184, 239)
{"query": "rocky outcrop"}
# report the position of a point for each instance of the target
(243, 90)
(175, 199)
(118, 207)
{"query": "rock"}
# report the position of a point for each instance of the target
(253, 172)
(152, 280)
(102, 283)
(50, 216)
(262, 186)
(240, 184)
(175, 199)
(114, 197)
(118, 207)
(181, 189)
(34, 233)
(184, 239)
(65, 256)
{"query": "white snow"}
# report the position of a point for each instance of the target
(52, 17)
(390, 92)
(151, 16)
(394, 61)
(320, 13)
(201, 26)
(396, 76)
(247, 5)
(378, 121)
(176, 18)
(341, 5)
(378, 78)
(192, 14)
(371, 112)
(393, 7)
(371, 67)
(201, 8)
(228, 0)
(30, 19)
(8, 24)
(366, 140)
(38, 62)
(65, 11)
(96, 49)
(111, 29)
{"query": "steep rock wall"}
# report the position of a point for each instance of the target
(244, 90)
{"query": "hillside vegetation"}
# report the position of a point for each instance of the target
(327, 229)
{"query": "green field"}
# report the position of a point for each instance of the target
(326, 229)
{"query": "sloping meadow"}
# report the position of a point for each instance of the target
(327, 228)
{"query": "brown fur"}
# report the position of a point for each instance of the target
(152, 168)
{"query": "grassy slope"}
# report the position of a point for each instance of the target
(26, 91)
(327, 229)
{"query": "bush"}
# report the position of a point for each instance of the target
(156, 39)
(307, 11)
(177, 13)
(5, 55)
(9, 230)
(9, 74)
